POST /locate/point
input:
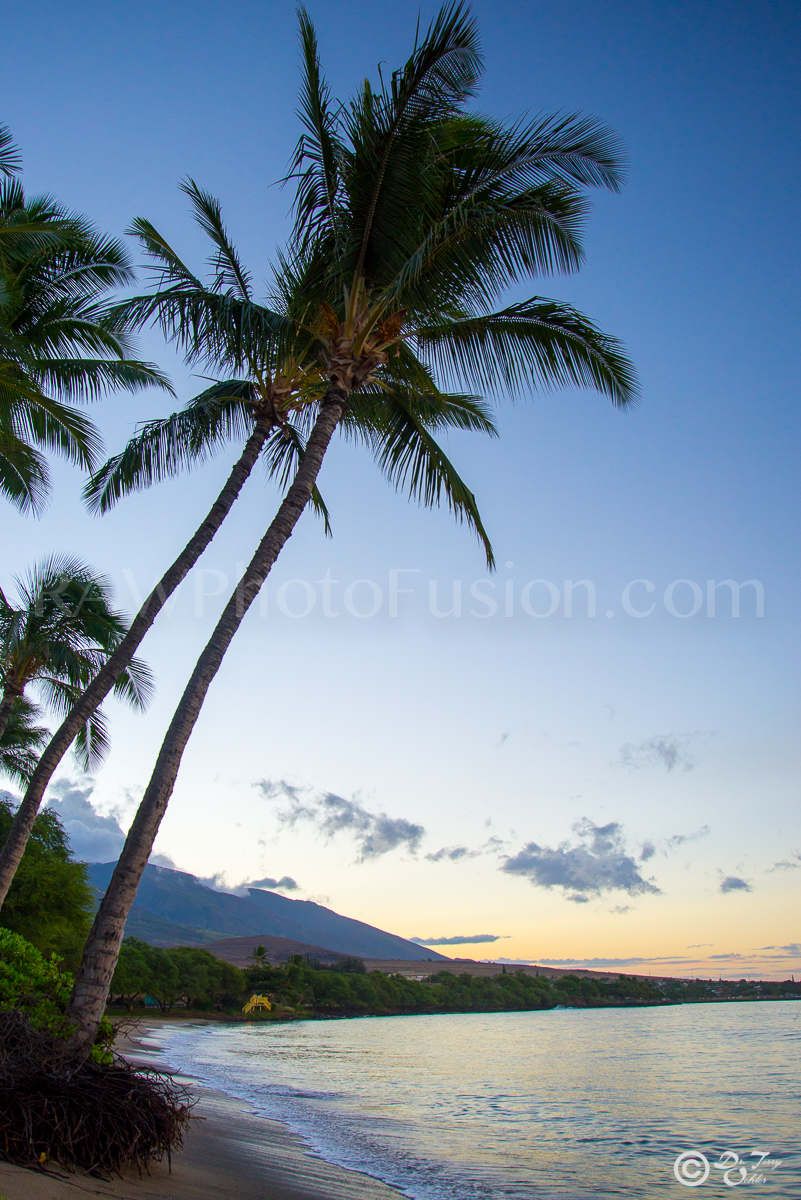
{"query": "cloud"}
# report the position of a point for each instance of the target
(668, 845)
(92, 836)
(285, 884)
(276, 789)
(597, 862)
(622, 908)
(733, 883)
(679, 839)
(375, 834)
(788, 864)
(218, 883)
(451, 854)
(598, 963)
(459, 939)
(662, 750)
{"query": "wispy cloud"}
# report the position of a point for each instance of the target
(680, 839)
(459, 939)
(596, 862)
(451, 854)
(674, 842)
(375, 834)
(793, 863)
(668, 750)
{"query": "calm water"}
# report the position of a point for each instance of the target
(563, 1104)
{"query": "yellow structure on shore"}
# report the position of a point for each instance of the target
(256, 1002)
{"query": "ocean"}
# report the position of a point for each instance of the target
(560, 1105)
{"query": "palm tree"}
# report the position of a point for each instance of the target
(239, 407)
(22, 741)
(55, 639)
(59, 343)
(411, 218)
(220, 325)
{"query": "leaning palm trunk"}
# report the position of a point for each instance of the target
(103, 944)
(103, 682)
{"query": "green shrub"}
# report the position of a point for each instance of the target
(37, 988)
(50, 901)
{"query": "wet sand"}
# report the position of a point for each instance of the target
(228, 1153)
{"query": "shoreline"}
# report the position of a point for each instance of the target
(228, 1151)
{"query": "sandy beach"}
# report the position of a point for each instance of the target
(228, 1152)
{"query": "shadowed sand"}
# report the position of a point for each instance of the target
(228, 1153)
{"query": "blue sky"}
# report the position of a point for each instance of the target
(661, 725)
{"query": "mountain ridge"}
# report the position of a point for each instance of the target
(175, 908)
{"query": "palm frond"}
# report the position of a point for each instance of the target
(93, 742)
(413, 461)
(315, 162)
(80, 379)
(215, 327)
(162, 449)
(391, 131)
(10, 157)
(22, 742)
(539, 342)
(135, 685)
(24, 477)
(230, 275)
(34, 417)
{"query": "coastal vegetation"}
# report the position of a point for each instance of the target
(183, 979)
(50, 903)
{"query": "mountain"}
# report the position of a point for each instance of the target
(174, 908)
(240, 951)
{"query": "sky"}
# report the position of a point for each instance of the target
(591, 757)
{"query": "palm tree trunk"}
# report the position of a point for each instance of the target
(102, 683)
(102, 948)
(10, 698)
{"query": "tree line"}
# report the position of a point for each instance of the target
(302, 988)
(192, 978)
